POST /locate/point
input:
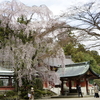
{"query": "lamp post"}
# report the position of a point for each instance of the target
(32, 93)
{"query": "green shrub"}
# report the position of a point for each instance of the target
(50, 93)
(1, 96)
(38, 94)
(10, 93)
(24, 95)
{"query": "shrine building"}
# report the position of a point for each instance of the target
(6, 79)
(77, 73)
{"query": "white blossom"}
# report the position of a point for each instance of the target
(31, 41)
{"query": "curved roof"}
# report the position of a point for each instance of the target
(6, 73)
(57, 61)
(73, 70)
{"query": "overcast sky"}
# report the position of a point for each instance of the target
(56, 6)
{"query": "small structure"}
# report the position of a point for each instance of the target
(77, 73)
(6, 79)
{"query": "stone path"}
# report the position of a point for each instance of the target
(84, 98)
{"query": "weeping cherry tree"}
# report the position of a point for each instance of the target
(28, 35)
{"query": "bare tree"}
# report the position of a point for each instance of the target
(84, 20)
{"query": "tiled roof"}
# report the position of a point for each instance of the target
(58, 61)
(5, 71)
(73, 70)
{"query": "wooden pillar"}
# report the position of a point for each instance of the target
(70, 85)
(62, 88)
(9, 81)
(86, 81)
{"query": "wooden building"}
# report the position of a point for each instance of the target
(6, 79)
(77, 73)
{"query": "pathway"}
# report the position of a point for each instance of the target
(84, 98)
